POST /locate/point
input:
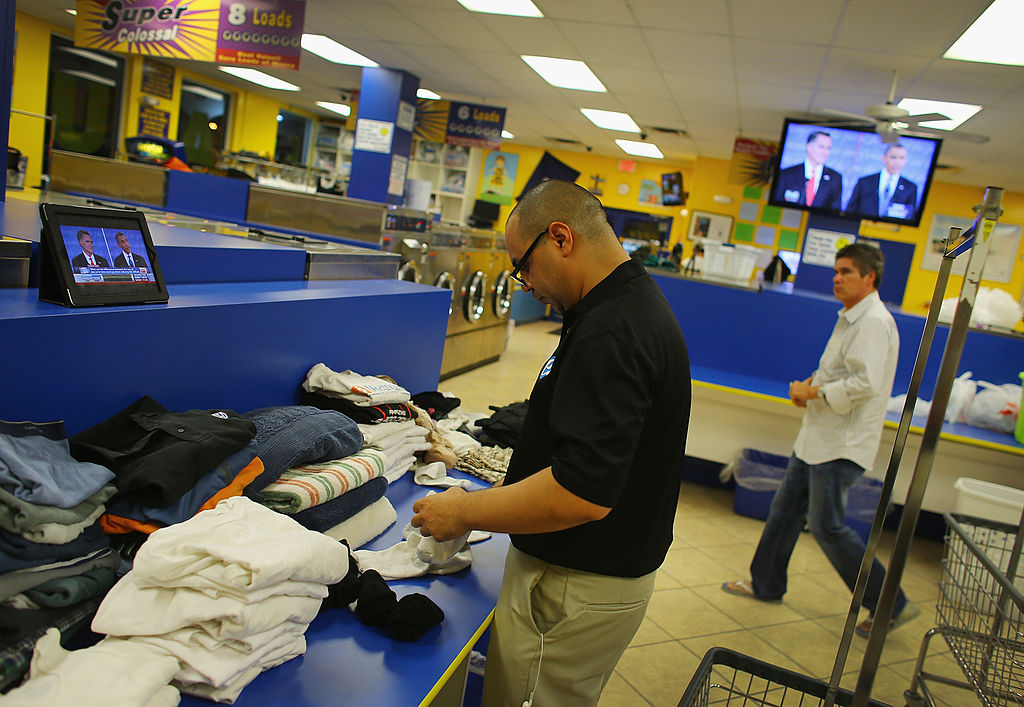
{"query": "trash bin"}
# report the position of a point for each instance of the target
(759, 474)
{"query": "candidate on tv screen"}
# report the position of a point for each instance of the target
(105, 255)
(854, 173)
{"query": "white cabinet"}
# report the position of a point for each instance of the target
(332, 152)
(454, 175)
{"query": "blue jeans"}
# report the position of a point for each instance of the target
(815, 493)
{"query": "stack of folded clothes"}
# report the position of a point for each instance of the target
(55, 562)
(208, 605)
(167, 466)
(365, 399)
(319, 471)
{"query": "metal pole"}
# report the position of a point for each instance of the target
(984, 225)
(902, 432)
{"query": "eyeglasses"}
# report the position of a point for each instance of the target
(526, 256)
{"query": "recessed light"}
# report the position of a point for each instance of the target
(328, 49)
(640, 149)
(339, 108)
(258, 77)
(958, 112)
(611, 120)
(519, 8)
(565, 73)
(427, 94)
(507, 135)
(994, 38)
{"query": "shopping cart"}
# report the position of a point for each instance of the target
(979, 613)
(729, 678)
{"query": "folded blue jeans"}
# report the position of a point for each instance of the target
(814, 494)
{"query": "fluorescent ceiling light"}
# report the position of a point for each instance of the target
(565, 73)
(91, 56)
(330, 50)
(957, 112)
(427, 93)
(71, 11)
(89, 76)
(519, 8)
(339, 108)
(507, 135)
(202, 91)
(640, 149)
(994, 38)
(258, 77)
(611, 120)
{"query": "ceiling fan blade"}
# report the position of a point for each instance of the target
(844, 114)
(923, 118)
(947, 134)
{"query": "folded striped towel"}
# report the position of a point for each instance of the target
(309, 485)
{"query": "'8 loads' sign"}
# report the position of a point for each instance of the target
(241, 32)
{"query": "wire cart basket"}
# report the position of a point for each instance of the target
(979, 613)
(983, 639)
(729, 678)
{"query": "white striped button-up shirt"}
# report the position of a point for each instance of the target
(855, 376)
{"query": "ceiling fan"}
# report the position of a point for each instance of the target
(890, 121)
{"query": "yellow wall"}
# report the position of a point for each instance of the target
(28, 92)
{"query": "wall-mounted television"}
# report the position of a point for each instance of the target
(672, 189)
(856, 174)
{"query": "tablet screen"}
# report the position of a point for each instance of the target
(99, 255)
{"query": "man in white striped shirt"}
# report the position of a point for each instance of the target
(845, 402)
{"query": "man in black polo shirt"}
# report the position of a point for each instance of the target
(591, 490)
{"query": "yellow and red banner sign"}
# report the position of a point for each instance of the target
(259, 33)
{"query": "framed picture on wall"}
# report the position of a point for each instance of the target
(1002, 250)
(715, 227)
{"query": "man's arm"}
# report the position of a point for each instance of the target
(537, 504)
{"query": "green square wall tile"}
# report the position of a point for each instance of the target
(752, 193)
(788, 240)
(743, 232)
(771, 214)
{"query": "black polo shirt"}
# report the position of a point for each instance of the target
(609, 414)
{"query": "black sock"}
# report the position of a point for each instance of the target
(414, 615)
(376, 599)
(346, 591)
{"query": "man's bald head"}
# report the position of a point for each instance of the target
(557, 200)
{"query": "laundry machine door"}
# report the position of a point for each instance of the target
(446, 281)
(504, 286)
(474, 296)
(409, 272)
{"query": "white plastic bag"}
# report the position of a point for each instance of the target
(898, 402)
(995, 407)
(960, 398)
(992, 306)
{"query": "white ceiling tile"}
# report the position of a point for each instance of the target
(701, 89)
(454, 27)
(613, 12)
(706, 113)
(691, 53)
(965, 82)
(923, 27)
(384, 19)
(530, 35)
(705, 16)
(784, 20)
(783, 63)
(764, 95)
(870, 72)
(603, 44)
(634, 81)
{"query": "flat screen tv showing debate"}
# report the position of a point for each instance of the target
(853, 173)
(106, 255)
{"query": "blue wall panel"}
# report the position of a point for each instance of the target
(207, 195)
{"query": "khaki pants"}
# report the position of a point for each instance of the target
(558, 633)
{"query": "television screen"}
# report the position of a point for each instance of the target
(672, 189)
(106, 255)
(856, 174)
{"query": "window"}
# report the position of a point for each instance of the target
(84, 94)
(203, 122)
(292, 134)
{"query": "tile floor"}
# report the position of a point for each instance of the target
(690, 614)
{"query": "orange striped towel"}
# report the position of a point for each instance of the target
(310, 485)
